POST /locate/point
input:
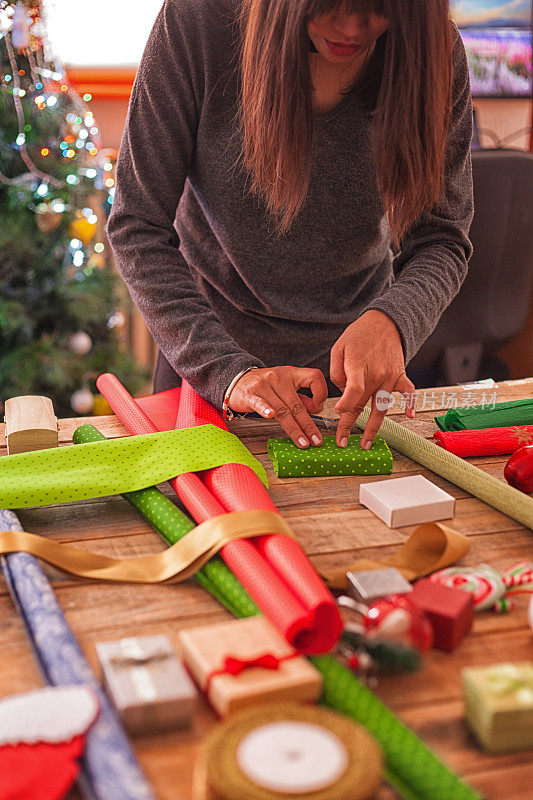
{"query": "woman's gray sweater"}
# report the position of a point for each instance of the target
(217, 288)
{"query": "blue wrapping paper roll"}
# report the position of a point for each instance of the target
(109, 770)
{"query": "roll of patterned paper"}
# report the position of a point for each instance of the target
(497, 494)
(290, 461)
(310, 621)
(485, 441)
(280, 750)
(114, 466)
(172, 524)
(497, 415)
(109, 768)
(236, 488)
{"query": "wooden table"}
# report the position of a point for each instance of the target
(332, 527)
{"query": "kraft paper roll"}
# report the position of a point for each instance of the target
(290, 461)
(113, 466)
(223, 769)
(430, 547)
(177, 563)
(497, 494)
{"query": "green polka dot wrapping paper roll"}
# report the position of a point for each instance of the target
(290, 461)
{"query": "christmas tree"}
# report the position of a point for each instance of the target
(59, 316)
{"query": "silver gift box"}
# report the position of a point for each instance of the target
(147, 684)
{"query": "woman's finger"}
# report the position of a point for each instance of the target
(407, 389)
(283, 415)
(294, 409)
(260, 406)
(377, 415)
(314, 380)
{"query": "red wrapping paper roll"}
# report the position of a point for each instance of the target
(485, 441)
(310, 623)
(237, 488)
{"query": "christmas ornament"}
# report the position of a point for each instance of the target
(42, 736)
(82, 401)
(46, 219)
(20, 31)
(518, 471)
(82, 229)
(101, 407)
(397, 618)
(80, 343)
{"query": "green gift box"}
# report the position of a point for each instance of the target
(499, 705)
(290, 461)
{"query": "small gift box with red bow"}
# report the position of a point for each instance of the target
(247, 661)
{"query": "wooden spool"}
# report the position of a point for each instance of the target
(30, 424)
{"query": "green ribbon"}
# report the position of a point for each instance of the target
(499, 415)
(290, 461)
(115, 466)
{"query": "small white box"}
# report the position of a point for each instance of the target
(406, 501)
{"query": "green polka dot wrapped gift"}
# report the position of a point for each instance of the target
(290, 461)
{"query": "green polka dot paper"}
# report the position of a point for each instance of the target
(115, 466)
(290, 461)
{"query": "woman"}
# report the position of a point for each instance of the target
(275, 153)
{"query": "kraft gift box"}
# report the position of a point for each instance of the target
(206, 650)
(148, 685)
(406, 501)
(499, 705)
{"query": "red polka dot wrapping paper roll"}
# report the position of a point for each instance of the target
(289, 461)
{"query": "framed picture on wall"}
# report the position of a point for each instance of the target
(498, 40)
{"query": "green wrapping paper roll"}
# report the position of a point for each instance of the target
(515, 504)
(290, 461)
(172, 524)
(411, 765)
(417, 775)
(501, 415)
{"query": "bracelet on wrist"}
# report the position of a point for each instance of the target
(227, 413)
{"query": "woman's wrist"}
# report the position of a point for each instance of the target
(227, 413)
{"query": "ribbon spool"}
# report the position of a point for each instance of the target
(288, 750)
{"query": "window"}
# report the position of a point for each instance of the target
(99, 33)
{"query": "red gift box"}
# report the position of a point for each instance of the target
(450, 612)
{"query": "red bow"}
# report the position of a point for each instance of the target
(234, 666)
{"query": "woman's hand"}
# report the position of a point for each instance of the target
(366, 359)
(272, 393)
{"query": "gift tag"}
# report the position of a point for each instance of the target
(292, 757)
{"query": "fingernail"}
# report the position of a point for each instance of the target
(368, 445)
(302, 442)
(316, 440)
(268, 411)
(344, 441)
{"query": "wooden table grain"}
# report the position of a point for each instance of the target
(333, 528)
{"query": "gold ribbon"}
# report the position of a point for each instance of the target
(178, 562)
(430, 547)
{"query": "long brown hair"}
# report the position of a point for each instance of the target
(406, 82)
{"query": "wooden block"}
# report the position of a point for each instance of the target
(206, 649)
(450, 612)
(30, 424)
(499, 705)
(147, 684)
